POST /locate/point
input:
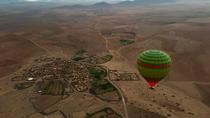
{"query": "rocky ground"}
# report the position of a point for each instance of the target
(57, 85)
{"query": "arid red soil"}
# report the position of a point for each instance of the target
(182, 31)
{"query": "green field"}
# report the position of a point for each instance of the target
(98, 84)
(104, 113)
(97, 73)
(52, 87)
(126, 41)
(79, 55)
(106, 58)
(24, 85)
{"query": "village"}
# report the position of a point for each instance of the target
(48, 71)
(116, 75)
(51, 77)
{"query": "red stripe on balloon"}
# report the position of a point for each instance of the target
(152, 65)
(152, 82)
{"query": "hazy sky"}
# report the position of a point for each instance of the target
(109, 1)
(80, 1)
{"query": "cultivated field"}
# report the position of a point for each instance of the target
(105, 37)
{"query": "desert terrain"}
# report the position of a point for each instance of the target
(75, 43)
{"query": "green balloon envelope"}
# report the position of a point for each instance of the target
(154, 65)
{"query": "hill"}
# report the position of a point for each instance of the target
(101, 5)
(145, 2)
(81, 62)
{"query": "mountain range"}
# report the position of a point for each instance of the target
(145, 2)
(135, 2)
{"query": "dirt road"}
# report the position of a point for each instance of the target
(114, 53)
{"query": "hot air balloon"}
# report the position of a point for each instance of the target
(154, 65)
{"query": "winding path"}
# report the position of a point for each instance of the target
(122, 98)
(39, 46)
(114, 53)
